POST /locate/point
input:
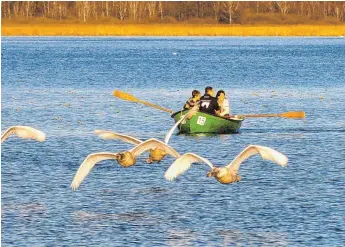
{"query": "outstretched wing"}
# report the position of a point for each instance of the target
(24, 132)
(265, 152)
(171, 131)
(109, 135)
(87, 166)
(188, 115)
(182, 164)
(152, 144)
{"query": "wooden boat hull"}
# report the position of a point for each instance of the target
(206, 123)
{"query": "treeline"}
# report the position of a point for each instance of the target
(231, 12)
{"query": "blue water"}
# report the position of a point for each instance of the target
(63, 86)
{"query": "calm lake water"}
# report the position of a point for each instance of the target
(63, 86)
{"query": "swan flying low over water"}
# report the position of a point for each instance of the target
(226, 174)
(158, 150)
(24, 132)
(156, 154)
(125, 159)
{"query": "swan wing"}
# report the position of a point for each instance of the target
(87, 165)
(265, 152)
(152, 144)
(183, 163)
(109, 135)
(188, 115)
(24, 132)
(171, 131)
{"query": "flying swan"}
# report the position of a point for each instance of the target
(125, 159)
(24, 132)
(156, 154)
(158, 150)
(226, 174)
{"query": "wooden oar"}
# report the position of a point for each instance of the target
(129, 97)
(289, 114)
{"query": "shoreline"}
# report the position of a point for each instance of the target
(78, 29)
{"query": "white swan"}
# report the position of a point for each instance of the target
(125, 159)
(158, 150)
(24, 132)
(156, 154)
(226, 174)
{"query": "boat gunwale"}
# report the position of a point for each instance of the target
(219, 117)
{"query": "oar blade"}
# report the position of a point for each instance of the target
(293, 114)
(125, 96)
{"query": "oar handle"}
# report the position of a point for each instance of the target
(290, 114)
(259, 115)
(155, 106)
(129, 97)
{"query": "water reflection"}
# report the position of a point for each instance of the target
(239, 238)
(180, 237)
(82, 215)
(25, 209)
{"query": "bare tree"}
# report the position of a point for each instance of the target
(181, 11)
(133, 9)
(271, 6)
(230, 7)
(83, 10)
(46, 8)
(160, 6)
(151, 7)
(216, 7)
(122, 10)
(106, 9)
(28, 9)
(6, 10)
(284, 7)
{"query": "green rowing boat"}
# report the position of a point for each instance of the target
(206, 123)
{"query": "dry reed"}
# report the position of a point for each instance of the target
(46, 29)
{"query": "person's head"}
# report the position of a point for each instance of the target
(196, 94)
(209, 91)
(221, 95)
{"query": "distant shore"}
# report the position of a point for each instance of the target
(70, 29)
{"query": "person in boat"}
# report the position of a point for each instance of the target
(208, 103)
(223, 103)
(193, 100)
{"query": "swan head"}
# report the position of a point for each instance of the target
(156, 155)
(213, 173)
(120, 156)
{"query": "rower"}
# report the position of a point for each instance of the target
(193, 100)
(208, 103)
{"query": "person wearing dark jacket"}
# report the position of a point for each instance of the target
(208, 103)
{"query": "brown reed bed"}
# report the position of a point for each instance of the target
(77, 29)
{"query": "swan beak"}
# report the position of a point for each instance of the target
(119, 156)
(209, 174)
(149, 160)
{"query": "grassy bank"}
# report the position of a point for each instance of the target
(68, 29)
